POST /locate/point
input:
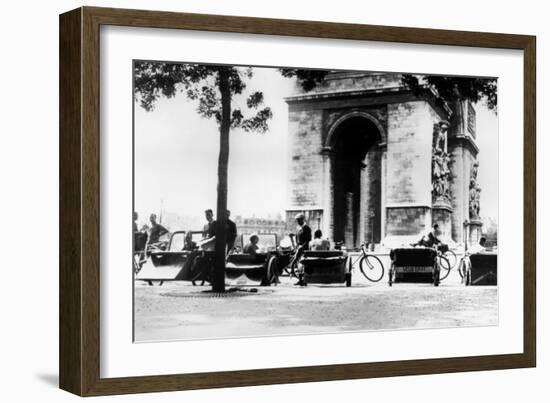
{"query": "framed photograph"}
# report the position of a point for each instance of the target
(248, 201)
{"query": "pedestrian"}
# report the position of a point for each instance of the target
(156, 231)
(303, 237)
(134, 224)
(231, 233)
(209, 229)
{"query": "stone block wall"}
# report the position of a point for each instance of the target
(408, 176)
(407, 220)
(343, 81)
(443, 217)
(305, 170)
(372, 196)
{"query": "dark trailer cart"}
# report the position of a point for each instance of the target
(325, 267)
(482, 269)
(177, 263)
(261, 267)
(414, 265)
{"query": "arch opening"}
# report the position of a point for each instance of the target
(356, 179)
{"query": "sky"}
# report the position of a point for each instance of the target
(176, 154)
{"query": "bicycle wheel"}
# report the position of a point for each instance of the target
(372, 268)
(462, 268)
(287, 270)
(451, 257)
(444, 267)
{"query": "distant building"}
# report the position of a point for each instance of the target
(177, 222)
(258, 225)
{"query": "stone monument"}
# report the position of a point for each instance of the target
(372, 161)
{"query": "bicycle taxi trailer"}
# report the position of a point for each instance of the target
(482, 269)
(325, 267)
(416, 265)
(179, 262)
(261, 267)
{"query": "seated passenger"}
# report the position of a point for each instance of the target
(318, 243)
(252, 247)
(189, 243)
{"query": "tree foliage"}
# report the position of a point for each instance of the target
(452, 89)
(213, 88)
(307, 79)
(200, 83)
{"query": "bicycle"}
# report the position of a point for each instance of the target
(371, 266)
(450, 255)
(444, 265)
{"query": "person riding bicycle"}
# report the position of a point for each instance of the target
(430, 240)
(303, 237)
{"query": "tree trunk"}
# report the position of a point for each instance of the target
(218, 280)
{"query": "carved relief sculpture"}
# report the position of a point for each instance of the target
(475, 192)
(440, 164)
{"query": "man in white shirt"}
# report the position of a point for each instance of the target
(480, 247)
(318, 243)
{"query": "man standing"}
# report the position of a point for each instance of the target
(231, 229)
(135, 226)
(209, 229)
(156, 231)
(303, 237)
(479, 247)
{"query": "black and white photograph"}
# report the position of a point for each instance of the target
(272, 201)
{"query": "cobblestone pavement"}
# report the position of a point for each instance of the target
(177, 310)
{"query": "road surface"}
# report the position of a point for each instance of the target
(179, 311)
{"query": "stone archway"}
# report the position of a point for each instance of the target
(355, 161)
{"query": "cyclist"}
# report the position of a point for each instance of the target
(431, 239)
(303, 237)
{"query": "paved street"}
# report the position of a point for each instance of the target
(180, 311)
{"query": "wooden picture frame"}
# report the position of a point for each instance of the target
(79, 346)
